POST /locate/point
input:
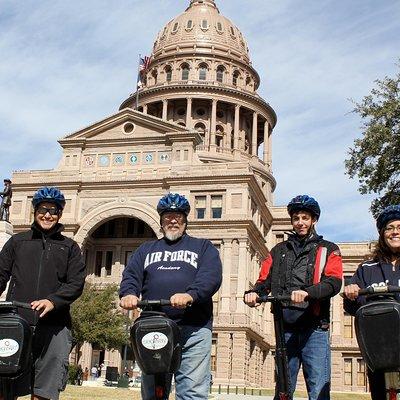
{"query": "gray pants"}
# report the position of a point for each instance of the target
(49, 372)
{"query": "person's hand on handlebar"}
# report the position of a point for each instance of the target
(129, 302)
(43, 305)
(251, 299)
(298, 296)
(181, 300)
(351, 291)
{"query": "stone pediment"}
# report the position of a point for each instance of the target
(127, 126)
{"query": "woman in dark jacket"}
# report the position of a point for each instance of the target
(382, 269)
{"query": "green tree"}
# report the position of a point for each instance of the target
(375, 157)
(97, 319)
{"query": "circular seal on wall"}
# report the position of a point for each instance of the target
(89, 161)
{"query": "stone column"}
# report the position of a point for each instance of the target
(242, 277)
(236, 132)
(213, 127)
(85, 356)
(189, 113)
(337, 313)
(266, 142)
(165, 110)
(226, 282)
(254, 135)
(144, 108)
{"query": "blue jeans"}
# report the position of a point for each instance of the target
(310, 348)
(192, 380)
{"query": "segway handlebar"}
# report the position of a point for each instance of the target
(379, 289)
(273, 299)
(13, 304)
(151, 303)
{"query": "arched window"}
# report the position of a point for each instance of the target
(200, 127)
(203, 72)
(175, 28)
(235, 78)
(189, 24)
(220, 73)
(220, 27)
(232, 31)
(204, 24)
(185, 72)
(168, 73)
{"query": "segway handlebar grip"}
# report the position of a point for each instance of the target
(272, 299)
(147, 303)
(14, 304)
(22, 305)
(379, 289)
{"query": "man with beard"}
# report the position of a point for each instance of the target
(309, 269)
(187, 271)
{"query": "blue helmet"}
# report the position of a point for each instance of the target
(304, 203)
(173, 202)
(388, 214)
(50, 195)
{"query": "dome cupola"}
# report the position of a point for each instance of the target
(201, 28)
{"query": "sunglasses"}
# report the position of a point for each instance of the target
(45, 210)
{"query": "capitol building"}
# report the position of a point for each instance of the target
(199, 128)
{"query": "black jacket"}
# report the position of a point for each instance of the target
(371, 273)
(43, 267)
(296, 265)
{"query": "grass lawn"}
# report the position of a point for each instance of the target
(99, 393)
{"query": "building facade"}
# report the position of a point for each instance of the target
(197, 127)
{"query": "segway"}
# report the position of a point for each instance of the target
(281, 360)
(155, 344)
(377, 326)
(15, 345)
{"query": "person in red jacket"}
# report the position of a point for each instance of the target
(309, 269)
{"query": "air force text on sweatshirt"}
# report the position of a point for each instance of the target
(159, 269)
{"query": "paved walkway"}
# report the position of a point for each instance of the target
(245, 397)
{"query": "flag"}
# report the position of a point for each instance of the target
(144, 63)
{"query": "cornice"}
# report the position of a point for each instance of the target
(187, 88)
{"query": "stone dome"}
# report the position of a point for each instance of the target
(203, 29)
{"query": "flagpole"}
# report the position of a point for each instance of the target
(137, 84)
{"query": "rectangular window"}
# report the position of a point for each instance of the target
(347, 326)
(348, 371)
(98, 263)
(127, 257)
(216, 207)
(109, 259)
(214, 352)
(361, 375)
(200, 206)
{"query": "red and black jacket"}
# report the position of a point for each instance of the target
(313, 265)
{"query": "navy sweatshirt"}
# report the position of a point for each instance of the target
(161, 268)
(371, 273)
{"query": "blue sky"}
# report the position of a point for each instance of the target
(65, 65)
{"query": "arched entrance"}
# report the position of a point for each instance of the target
(108, 248)
(112, 235)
